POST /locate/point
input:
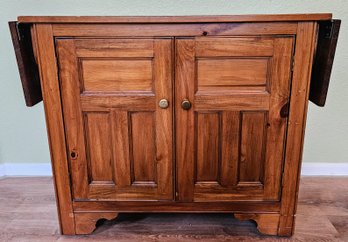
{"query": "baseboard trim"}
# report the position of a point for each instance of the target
(24, 169)
(2, 170)
(324, 169)
(44, 169)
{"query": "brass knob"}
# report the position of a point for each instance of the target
(163, 103)
(186, 104)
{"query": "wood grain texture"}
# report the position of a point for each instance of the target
(305, 44)
(143, 163)
(323, 61)
(98, 138)
(276, 124)
(121, 140)
(114, 164)
(224, 169)
(117, 48)
(233, 47)
(183, 30)
(54, 121)
(117, 75)
(176, 19)
(73, 117)
(229, 73)
(178, 207)
(229, 102)
(184, 138)
(22, 35)
(208, 142)
(252, 147)
(230, 136)
(86, 222)
(144, 101)
(164, 76)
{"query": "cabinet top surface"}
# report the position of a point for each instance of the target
(176, 19)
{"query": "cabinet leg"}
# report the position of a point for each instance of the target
(85, 223)
(266, 223)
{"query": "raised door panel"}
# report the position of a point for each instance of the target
(230, 142)
(119, 140)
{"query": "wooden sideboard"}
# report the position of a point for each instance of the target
(176, 114)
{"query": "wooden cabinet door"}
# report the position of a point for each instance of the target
(119, 139)
(230, 143)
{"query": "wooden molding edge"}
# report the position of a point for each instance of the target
(177, 19)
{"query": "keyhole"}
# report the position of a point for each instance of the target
(73, 154)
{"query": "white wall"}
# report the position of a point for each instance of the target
(22, 130)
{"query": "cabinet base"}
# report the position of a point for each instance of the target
(267, 223)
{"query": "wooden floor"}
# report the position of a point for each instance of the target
(28, 213)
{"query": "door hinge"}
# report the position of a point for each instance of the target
(327, 27)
